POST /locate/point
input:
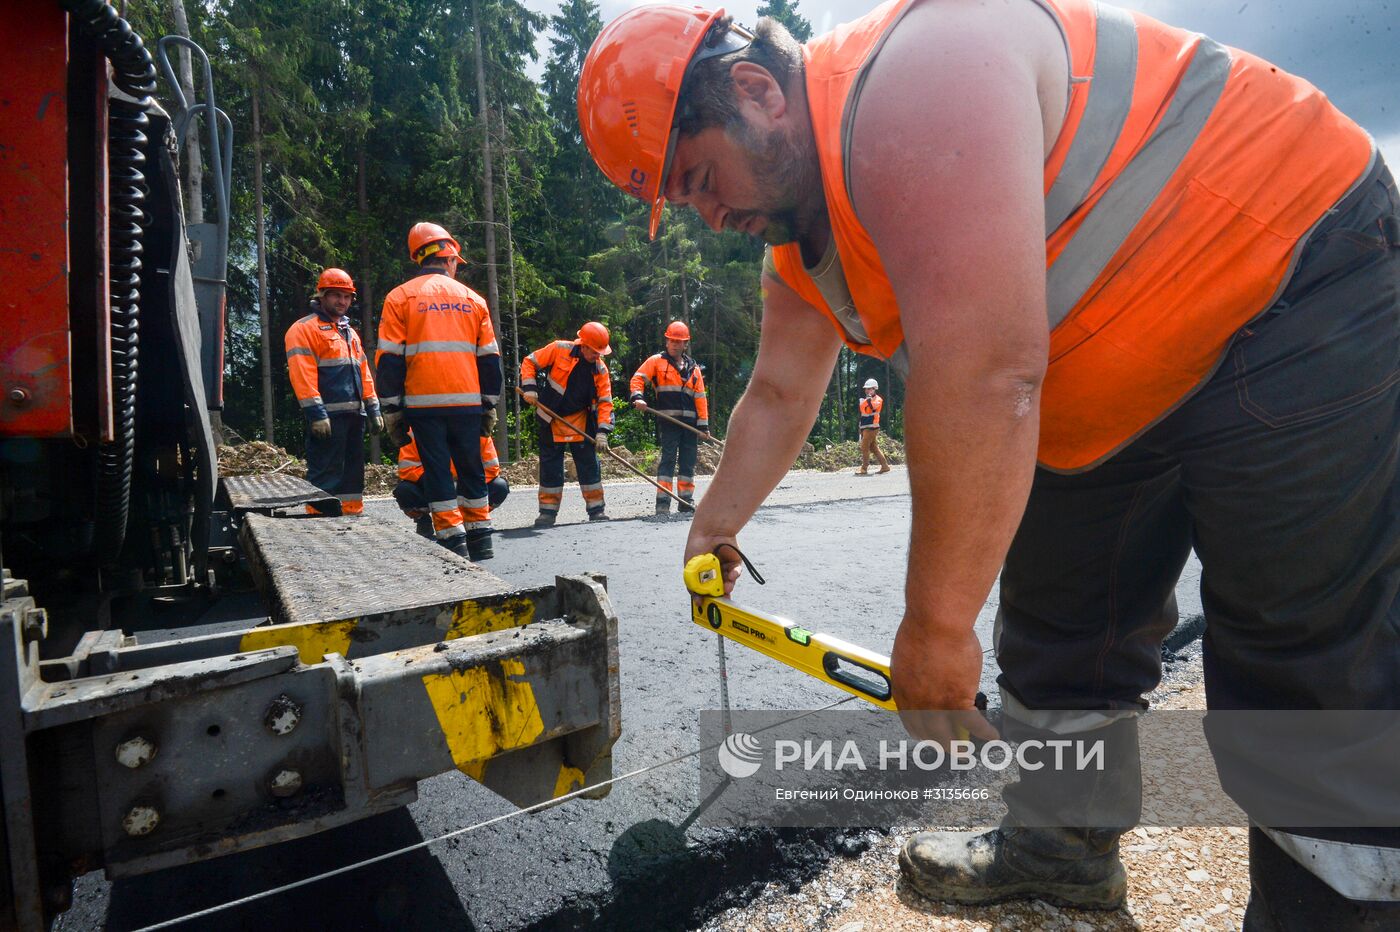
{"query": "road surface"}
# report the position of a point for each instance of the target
(832, 547)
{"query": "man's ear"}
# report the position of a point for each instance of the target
(760, 95)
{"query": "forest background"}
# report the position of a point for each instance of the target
(353, 121)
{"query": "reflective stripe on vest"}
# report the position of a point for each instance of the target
(1179, 195)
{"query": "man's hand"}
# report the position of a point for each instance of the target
(600, 442)
(488, 422)
(376, 422)
(532, 398)
(321, 429)
(640, 404)
(396, 426)
(935, 671)
(702, 542)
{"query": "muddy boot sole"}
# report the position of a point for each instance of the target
(1109, 893)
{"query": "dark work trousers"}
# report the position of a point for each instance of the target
(447, 438)
(1281, 473)
(414, 501)
(675, 467)
(337, 463)
(590, 473)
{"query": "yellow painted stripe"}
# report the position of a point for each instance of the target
(570, 779)
(484, 711)
(312, 641)
(470, 618)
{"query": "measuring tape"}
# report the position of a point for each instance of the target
(858, 671)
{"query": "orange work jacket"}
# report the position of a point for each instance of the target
(870, 412)
(680, 390)
(1178, 198)
(548, 370)
(411, 465)
(328, 369)
(437, 348)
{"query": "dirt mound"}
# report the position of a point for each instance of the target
(257, 457)
(846, 455)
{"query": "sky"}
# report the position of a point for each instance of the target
(1348, 48)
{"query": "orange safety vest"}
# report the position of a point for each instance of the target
(438, 328)
(679, 396)
(870, 412)
(411, 464)
(556, 362)
(328, 369)
(1178, 198)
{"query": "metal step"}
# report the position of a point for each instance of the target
(324, 569)
(271, 492)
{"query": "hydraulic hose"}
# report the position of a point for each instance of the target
(134, 72)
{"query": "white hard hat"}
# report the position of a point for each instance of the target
(871, 383)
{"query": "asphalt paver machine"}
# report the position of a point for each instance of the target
(191, 667)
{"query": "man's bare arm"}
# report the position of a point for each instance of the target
(954, 202)
(797, 350)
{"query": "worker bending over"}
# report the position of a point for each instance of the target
(414, 501)
(869, 409)
(440, 369)
(680, 392)
(570, 378)
(331, 379)
(1144, 292)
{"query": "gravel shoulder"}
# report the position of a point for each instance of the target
(1183, 878)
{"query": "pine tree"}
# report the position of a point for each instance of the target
(785, 12)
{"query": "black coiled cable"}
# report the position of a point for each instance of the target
(135, 73)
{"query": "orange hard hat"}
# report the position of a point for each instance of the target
(335, 278)
(629, 86)
(595, 336)
(429, 239)
(677, 330)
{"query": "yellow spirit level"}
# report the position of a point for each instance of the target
(858, 671)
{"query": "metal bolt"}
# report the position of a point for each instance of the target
(282, 716)
(135, 752)
(141, 820)
(285, 783)
(36, 625)
(19, 396)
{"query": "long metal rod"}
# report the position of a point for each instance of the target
(694, 430)
(724, 687)
(607, 450)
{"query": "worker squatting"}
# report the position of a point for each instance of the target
(440, 384)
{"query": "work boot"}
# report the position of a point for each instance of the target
(479, 545)
(686, 505)
(457, 544)
(663, 506)
(598, 516)
(546, 519)
(1012, 864)
(1076, 867)
(424, 527)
